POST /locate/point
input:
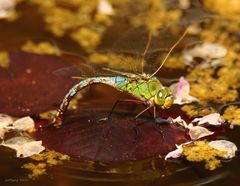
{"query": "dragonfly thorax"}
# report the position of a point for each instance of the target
(149, 90)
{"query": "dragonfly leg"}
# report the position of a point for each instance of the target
(158, 122)
(124, 100)
(146, 109)
(136, 130)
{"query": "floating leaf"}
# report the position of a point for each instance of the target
(30, 87)
(111, 141)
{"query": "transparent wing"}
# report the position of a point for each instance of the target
(136, 49)
(81, 68)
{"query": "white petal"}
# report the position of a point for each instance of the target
(180, 121)
(210, 53)
(23, 124)
(24, 146)
(6, 7)
(175, 153)
(5, 120)
(181, 92)
(226, 146)
(178, 152)
(2, 132)
(197, 132)
(212, 119)
(31, 148)
(104, 7)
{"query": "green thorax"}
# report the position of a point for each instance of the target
(140, 87)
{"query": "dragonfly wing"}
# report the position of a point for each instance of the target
(125, 57)
(131, 47)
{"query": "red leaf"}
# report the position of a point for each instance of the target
(111, 141)
(30, 87)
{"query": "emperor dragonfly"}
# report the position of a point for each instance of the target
(146, 88)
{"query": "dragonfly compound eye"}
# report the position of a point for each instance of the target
(164, 97)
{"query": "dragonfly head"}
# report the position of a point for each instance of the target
(164, 98)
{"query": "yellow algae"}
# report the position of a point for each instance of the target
(80, 21)
(213, 91)
(42, 161)
(200, 151)
(60, 20)
(36, 169)
(197, 110)
(4, 59)
(226, 8)
(87, 38)
(156, 15)
(232, 115)
(43, 47)
(175, 62)
(220, 31)
(103, 19)
(48, 115)
(231, 75)
(208, 88)
(125, 62)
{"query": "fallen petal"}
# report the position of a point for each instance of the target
(180, 121)
(197, 132)
(178, 152)
(5, 120)
(24, 146)
(181, 92)
(210, 54)
(211, 119)
(104, 7)
(226, 146)
(175, 153)
(24, 124)
(7, 8)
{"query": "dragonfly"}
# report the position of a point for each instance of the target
(146, 88)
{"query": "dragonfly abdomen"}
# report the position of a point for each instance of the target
(116, 82)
